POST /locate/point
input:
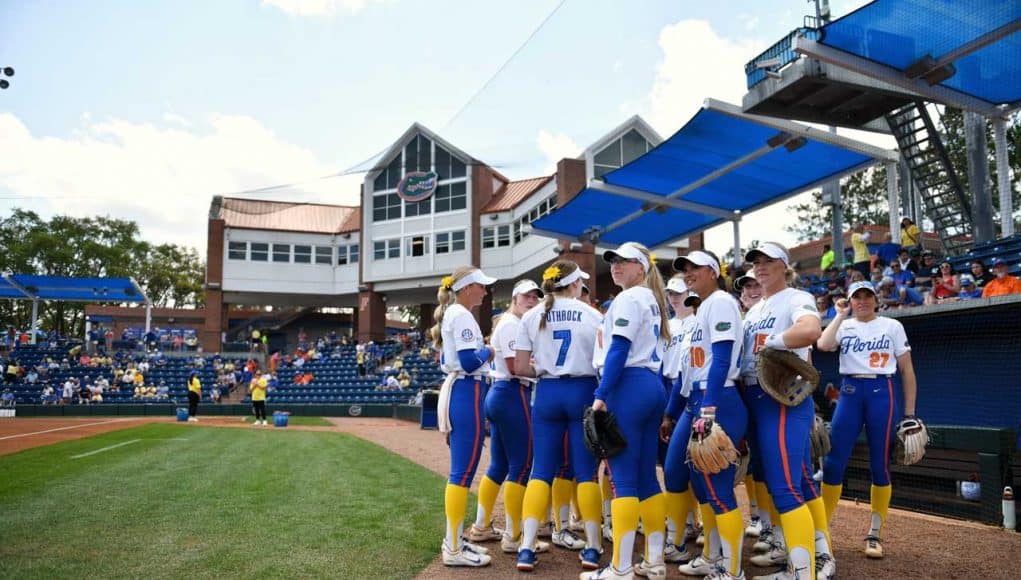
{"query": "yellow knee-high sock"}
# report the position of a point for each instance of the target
(880, 499)
(818, 510)
(708, 525)
(488, 490)
(563, 491)
(591, 511)
(730, 526)
(455, 501)
(653, 513)
(691, 507)
(513, 502)
(624, 511)
(749, 488)
(674, 505)
(536, 502)
(766, 508)
(575, 506)
(830, 497)
(799, 532)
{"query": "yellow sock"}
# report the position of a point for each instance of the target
(455, 501)
(674, 507)
(624, 512)
(818, 510)
(605, 490)
(749, 488)
(880, 499)
(799, 532)
(488, 490)
(730, 526)
(590, 508)
(690, 507)
(575, 506)
(513, 502)
(536, 502)
(708, 525)
(830, 497)
(563, 491)
(653, 513)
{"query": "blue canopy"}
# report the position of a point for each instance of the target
(722, 164)
(29, 287)
(979, 39)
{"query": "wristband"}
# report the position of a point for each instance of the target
(775, 341)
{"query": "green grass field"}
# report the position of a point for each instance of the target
(190, 501)
(295, 420)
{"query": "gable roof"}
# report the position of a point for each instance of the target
(634, 122)
(514, 193)
(257, 214)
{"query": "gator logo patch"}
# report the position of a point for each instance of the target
(722, 326)
(622, 322)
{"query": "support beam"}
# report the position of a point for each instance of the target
(148, 316)
(887, 74)
(35, 320)
(977, 150)
(1003, 177)
(969, 47)
(891, 197)
(738, 257)
(659, 199)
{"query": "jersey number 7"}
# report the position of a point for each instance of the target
(565, 337)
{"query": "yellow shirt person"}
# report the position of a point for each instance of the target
(258, 389)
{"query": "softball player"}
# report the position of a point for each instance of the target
(560, 334)
(508, 408)
(714, 355)
(872, 349)
(465, 359)
(755, 481)
(679, 500)
(638, 330)
(787, 319)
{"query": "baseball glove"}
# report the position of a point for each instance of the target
(785, 376)
(912, 437)
(820, 439)
(710, 449)
(603, 436)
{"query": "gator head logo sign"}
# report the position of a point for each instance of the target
(418, 185)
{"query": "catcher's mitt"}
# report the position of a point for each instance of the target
(603, 437)
(912, 437)
(710, 449)
(820, 439)
(787, 377)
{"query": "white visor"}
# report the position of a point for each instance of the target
(740, 282)
(570, 278)
(697, 258)
(476, 277)
(770, 250)
(676, 285)
(692, 299)
(524, 287)
(862, 286)
(629, 252)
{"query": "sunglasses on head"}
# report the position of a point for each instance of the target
(620, 260)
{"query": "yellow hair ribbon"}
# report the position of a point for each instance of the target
(723, 270)
(447, 282)
(652, 259)
(551, 273)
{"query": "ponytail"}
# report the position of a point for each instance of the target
(446, 296)
(555, 273)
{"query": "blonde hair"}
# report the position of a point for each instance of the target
(446, 296)
(654, 281)
(513, 300)
(560, 270)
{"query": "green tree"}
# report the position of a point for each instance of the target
(863, 197)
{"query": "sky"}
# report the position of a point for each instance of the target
(145, 110)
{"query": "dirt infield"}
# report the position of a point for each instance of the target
(917, 546)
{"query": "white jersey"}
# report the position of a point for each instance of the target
(634, 314)
(774, 315)
(871, 348)
(718, 320)
(502, 340)
(676, 354)
(564, 347)
(460, 331)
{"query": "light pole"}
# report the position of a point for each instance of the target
(5, 72)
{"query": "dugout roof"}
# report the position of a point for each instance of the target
(720, 165)
(70, 289)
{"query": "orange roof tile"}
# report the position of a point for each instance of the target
(515, 192)
(289, 216)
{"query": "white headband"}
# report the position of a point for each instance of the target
(476, 277)
(568, 279)
(697, 258)
(628, 251)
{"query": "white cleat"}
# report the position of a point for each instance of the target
(567, 539)
(700, 540)
(646, 570)
(825, 567)
(511, 546)
(698, 566)
(754, 529)
(720, 573)
(776, 556)
(576, 524)
(608, 573)
(691, 533)
(474, 547)
(765, 541)
(487, 534)
(464, 557)
(677, 554)
(873, 547)
(786, 574)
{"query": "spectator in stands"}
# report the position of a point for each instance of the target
(67, 392)
(905, 261)
(900, 276)
(888, 251)
(827, 258)
(860, 242)
(139, 378)
(404, 378)
(910, 235)
(824, 304)
(392, 384)
(12, 372)
(84, 395)
(945, 285)
(48, 396)
(878, 273)
(360, 361)
(163, 391)
(194, 395)
(968, 289)
(31, 377)
(97, 393)
(8, 399)
(892, 296)
(214, 394)
(980, 275)
(1004, 283)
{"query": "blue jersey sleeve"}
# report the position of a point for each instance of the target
(471, 360)
(616, 358)
(675, 403)
(718, 369)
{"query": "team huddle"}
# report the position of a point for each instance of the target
(583, 406)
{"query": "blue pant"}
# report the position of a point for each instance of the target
(718, 489)
(868, 402)
(638, 402)
(508, 408)
(781, 435)
(558, 411)
(676, 471)
(466, 435)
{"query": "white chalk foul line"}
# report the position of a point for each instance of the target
(61, 429)
(109, 447)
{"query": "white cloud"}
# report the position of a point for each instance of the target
(319, 7)
(162, 176)
(555, 148)
(751, 22)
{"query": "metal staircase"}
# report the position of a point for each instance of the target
(946, 202)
